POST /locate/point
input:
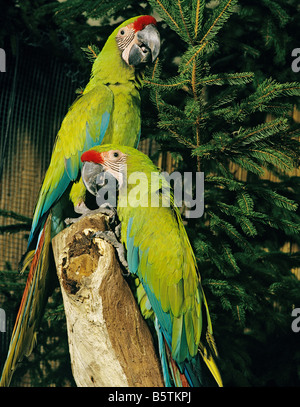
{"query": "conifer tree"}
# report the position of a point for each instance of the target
(219, 118)
(225, 67)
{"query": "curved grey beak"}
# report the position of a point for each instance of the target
(147, 47)
(100, 183)
(91, 176)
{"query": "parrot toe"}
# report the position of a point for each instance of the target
(110, 237)
(109, 211)
(81, 208)
(85, 211)
(70, 221)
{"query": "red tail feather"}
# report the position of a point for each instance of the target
(32, 304)
(178, 377)
(31, 274)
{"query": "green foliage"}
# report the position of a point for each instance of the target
(214, 119)
(24, 222)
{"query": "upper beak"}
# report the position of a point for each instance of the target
(92, 175)
(146, 48)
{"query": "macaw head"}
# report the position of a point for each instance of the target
(116, 161)
(138, 40)
(96, 166)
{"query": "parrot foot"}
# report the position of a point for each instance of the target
(110, 237)
(118, 231)
(110, 211)
(81, 208)
(69, 221)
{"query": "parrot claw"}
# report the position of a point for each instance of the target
(110, 237)
(110, 211)
(118, 231)
(70, 221)
(81, 208)
(85, 211)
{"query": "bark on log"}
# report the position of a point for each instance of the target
(109, 342)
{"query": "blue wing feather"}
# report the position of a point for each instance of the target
(134, 254)
(72, 166)
(55, 195)
(163, 322)
(163, 356)
(73, 163)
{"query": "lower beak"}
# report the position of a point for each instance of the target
(147, 47)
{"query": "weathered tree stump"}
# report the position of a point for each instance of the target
(109, 342)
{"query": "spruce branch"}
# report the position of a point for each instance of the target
(248, 164)
(240, 78)
(273, 156)
(218, 224)
(92, 51)
(271, 89)
(261, 132)
(245, 202)
(220, 16)
(16, 228)
(16, 216)
(162, 10)
(277, 11)
(185, 20)
(194, 88)
(193, 53)
(197, 15)
(165, 85)
(229, 257)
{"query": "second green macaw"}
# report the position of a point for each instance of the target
(108, 111)
(160, 255)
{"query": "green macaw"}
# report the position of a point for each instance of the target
(160, 255)
(108, 111)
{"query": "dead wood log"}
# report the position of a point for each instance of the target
(109, 342)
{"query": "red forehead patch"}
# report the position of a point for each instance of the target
(92, 156)
(142, 22)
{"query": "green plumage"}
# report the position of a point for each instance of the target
(167, 263)
(112, 94)
(108, 110)
(160, 255)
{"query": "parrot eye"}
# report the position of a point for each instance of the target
(124, 37)
(116, 154)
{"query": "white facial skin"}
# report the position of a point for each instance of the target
(138, 47)
(115, 163)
